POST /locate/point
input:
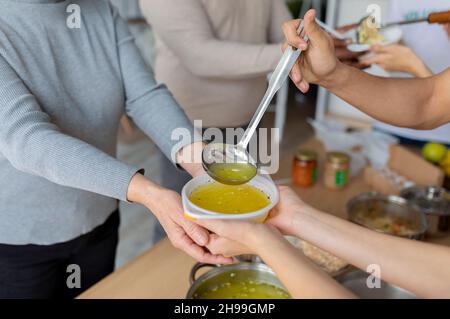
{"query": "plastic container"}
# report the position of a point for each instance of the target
(194, 212)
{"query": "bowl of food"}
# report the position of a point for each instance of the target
(435, 203)
(356, 282)
(366, 35)
(388, 214)
(237, 281)
(204, 198)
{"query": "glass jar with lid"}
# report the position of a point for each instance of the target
(304, 171)
(337, 170)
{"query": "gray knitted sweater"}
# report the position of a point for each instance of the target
(62, 93)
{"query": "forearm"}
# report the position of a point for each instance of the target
(151, 105)
(231, 60)
(300, 277)
(385, 99)
(35, 146)
(196, 45)
(398, 258)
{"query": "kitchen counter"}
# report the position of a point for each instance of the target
(163, 271)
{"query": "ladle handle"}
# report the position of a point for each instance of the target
(439, 17)
(277, 80)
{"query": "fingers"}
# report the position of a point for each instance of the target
(379, 49)
(313, 30)
(303, 86)
(375, 59)
(298, 79)
(293, 39)
(226, 247)
(296, 74)
(198, 234)
(185, 243)
(224, 228)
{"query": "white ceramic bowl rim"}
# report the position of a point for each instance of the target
(210, 214)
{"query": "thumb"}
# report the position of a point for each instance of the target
(312, 29)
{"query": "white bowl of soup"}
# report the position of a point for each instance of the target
(204, 198)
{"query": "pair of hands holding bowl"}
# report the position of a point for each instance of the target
(233, 238)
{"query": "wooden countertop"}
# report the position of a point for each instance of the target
(163, 272)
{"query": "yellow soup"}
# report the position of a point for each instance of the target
(232, 173)
(229, 199)
(243, 290)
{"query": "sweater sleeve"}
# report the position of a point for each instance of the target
(151, 106)
(280, 14)
(184, 27)
(32, 143)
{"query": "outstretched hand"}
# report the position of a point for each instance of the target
(283, 215)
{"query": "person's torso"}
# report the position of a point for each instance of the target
(220, 102)
(74, 75)
(245, 21)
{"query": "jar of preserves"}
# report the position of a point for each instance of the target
(304, 172)
(337, 170)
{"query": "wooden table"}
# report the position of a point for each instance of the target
(163, 272)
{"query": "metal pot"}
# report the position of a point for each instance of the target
(221, 274)
(356, 282)
(435, 203)
(392, 206)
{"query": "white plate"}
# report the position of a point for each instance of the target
(392, 35)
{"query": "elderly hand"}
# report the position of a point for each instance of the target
(397, 58)
(183, 233)
(167, 207)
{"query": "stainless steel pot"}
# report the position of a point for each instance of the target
(435, 203)
(356, 282)
(221, 274)
(392, 206)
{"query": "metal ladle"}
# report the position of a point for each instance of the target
(231, 164)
